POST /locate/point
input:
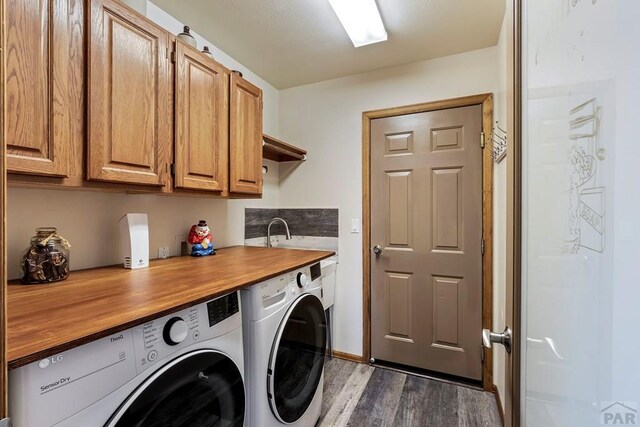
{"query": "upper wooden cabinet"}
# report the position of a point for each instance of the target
(201, 121)
(129, 116)
(44, 85)
(94, 101)
(245, 137)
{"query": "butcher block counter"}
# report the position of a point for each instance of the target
(47, 319)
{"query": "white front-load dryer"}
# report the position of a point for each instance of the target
(183, 369)
(285, 341)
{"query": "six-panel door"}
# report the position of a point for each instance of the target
(202, 121)
(129, 120)
(245, 137)
(426, 215)
(44, 85)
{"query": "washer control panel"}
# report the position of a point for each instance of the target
(299, 279)
(302, 280)
(160, 337)
(272, 291)
(175, 331)
(222, 308)
(266, 297)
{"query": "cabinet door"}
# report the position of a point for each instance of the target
(245, 137)
(44, 85)
(129, 118)
(202, 121)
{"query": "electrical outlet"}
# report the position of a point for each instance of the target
(163, 252)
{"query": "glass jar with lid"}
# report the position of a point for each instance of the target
(47, 258)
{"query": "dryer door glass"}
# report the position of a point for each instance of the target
(297, 359)
(203, 388)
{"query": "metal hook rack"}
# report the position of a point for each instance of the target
(498, 143)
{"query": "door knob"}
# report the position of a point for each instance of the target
(377, 250)
(504, 338)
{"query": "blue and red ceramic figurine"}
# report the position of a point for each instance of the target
(200, 239)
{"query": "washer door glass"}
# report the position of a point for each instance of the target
(297, 359)
(203, 388)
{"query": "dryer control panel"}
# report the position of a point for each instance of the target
(49, 390)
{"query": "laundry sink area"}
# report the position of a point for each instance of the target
(298, 242)
(314, 228)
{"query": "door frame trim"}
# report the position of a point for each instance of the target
(512, 402)
(3, 228)
(486, 101)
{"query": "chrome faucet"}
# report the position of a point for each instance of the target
(286, 227)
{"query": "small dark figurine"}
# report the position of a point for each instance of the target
(200, 239)
(59, 267)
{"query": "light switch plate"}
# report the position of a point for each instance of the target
(355, 225)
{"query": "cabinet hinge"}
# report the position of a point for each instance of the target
(173, 56)
(482, 246)
(481, 139)
(172, 168)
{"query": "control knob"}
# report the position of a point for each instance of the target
(175, 331)
(302, 280)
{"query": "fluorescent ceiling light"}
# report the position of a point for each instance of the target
(361, 19)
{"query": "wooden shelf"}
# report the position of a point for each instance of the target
(280, 151)
(47, 319)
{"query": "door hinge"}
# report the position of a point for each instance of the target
(482, 247)
(173, 169)
(481, 139)
(5, 422)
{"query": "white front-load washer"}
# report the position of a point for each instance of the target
(183, 369)
(285, 341)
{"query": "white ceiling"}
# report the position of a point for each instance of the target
(295, 42)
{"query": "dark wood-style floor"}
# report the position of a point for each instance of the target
(361, 395)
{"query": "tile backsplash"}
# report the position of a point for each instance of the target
(315, 228)
(302, 222)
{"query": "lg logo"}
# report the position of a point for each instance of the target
(50, 361)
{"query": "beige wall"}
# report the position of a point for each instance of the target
(326, 119)
(89, 220)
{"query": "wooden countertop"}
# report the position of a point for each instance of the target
(47, 319)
